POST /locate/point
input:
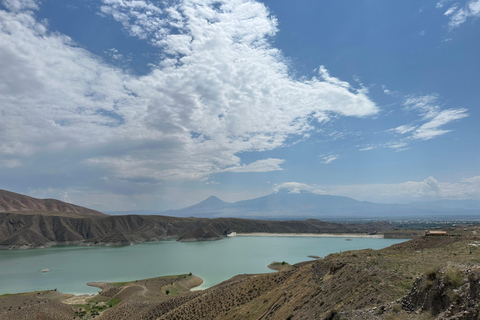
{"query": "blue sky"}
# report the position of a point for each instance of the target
(129, 105)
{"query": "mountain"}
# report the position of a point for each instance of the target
(15, 202)
(210, 207)
(304, 205)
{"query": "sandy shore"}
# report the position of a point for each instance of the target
(325, 235)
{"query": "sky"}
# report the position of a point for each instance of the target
(155, 105)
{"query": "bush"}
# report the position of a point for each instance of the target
(381, 310)
(397, 308)
(432, 273)
(453, 277)
(332, 315)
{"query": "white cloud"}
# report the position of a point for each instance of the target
(429, 125)
(459, 13)
(297, 187)
(451, 10)
(326, 159)
(435, 117)
(368, 148)
(222, 89)
(18, 5)
(432, 129)
(404, 129)
(442, 3)
(265, 165)
(325, 75)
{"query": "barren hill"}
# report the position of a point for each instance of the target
(15, 202)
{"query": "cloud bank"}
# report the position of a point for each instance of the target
(428, 189)
(220, 89)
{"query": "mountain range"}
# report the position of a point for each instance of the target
(304, 205)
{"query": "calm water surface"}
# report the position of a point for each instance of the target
(213, 261)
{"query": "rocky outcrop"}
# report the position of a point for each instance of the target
(429, 293)
(436, 293)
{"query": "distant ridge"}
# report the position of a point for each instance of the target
(304, 205)
(18, 203)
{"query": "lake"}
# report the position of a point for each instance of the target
(214, 261)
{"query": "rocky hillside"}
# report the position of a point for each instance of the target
(426, 278)
(38, 230)
(15, 202)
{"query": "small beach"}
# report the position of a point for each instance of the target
(324, 235)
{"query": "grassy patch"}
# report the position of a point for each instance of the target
(120, 284)
(113, 302)
(19, 294)
(172, 289)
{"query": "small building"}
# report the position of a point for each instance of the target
(436, 233)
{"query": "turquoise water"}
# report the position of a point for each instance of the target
(213, 261)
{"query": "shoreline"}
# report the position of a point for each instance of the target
(320, 235)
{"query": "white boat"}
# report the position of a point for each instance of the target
(45, 270)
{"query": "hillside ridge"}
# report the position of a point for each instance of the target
(16, 202)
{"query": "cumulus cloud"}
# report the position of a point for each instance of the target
(297, 187)
(220, 89)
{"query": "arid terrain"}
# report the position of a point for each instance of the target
(431, 277)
